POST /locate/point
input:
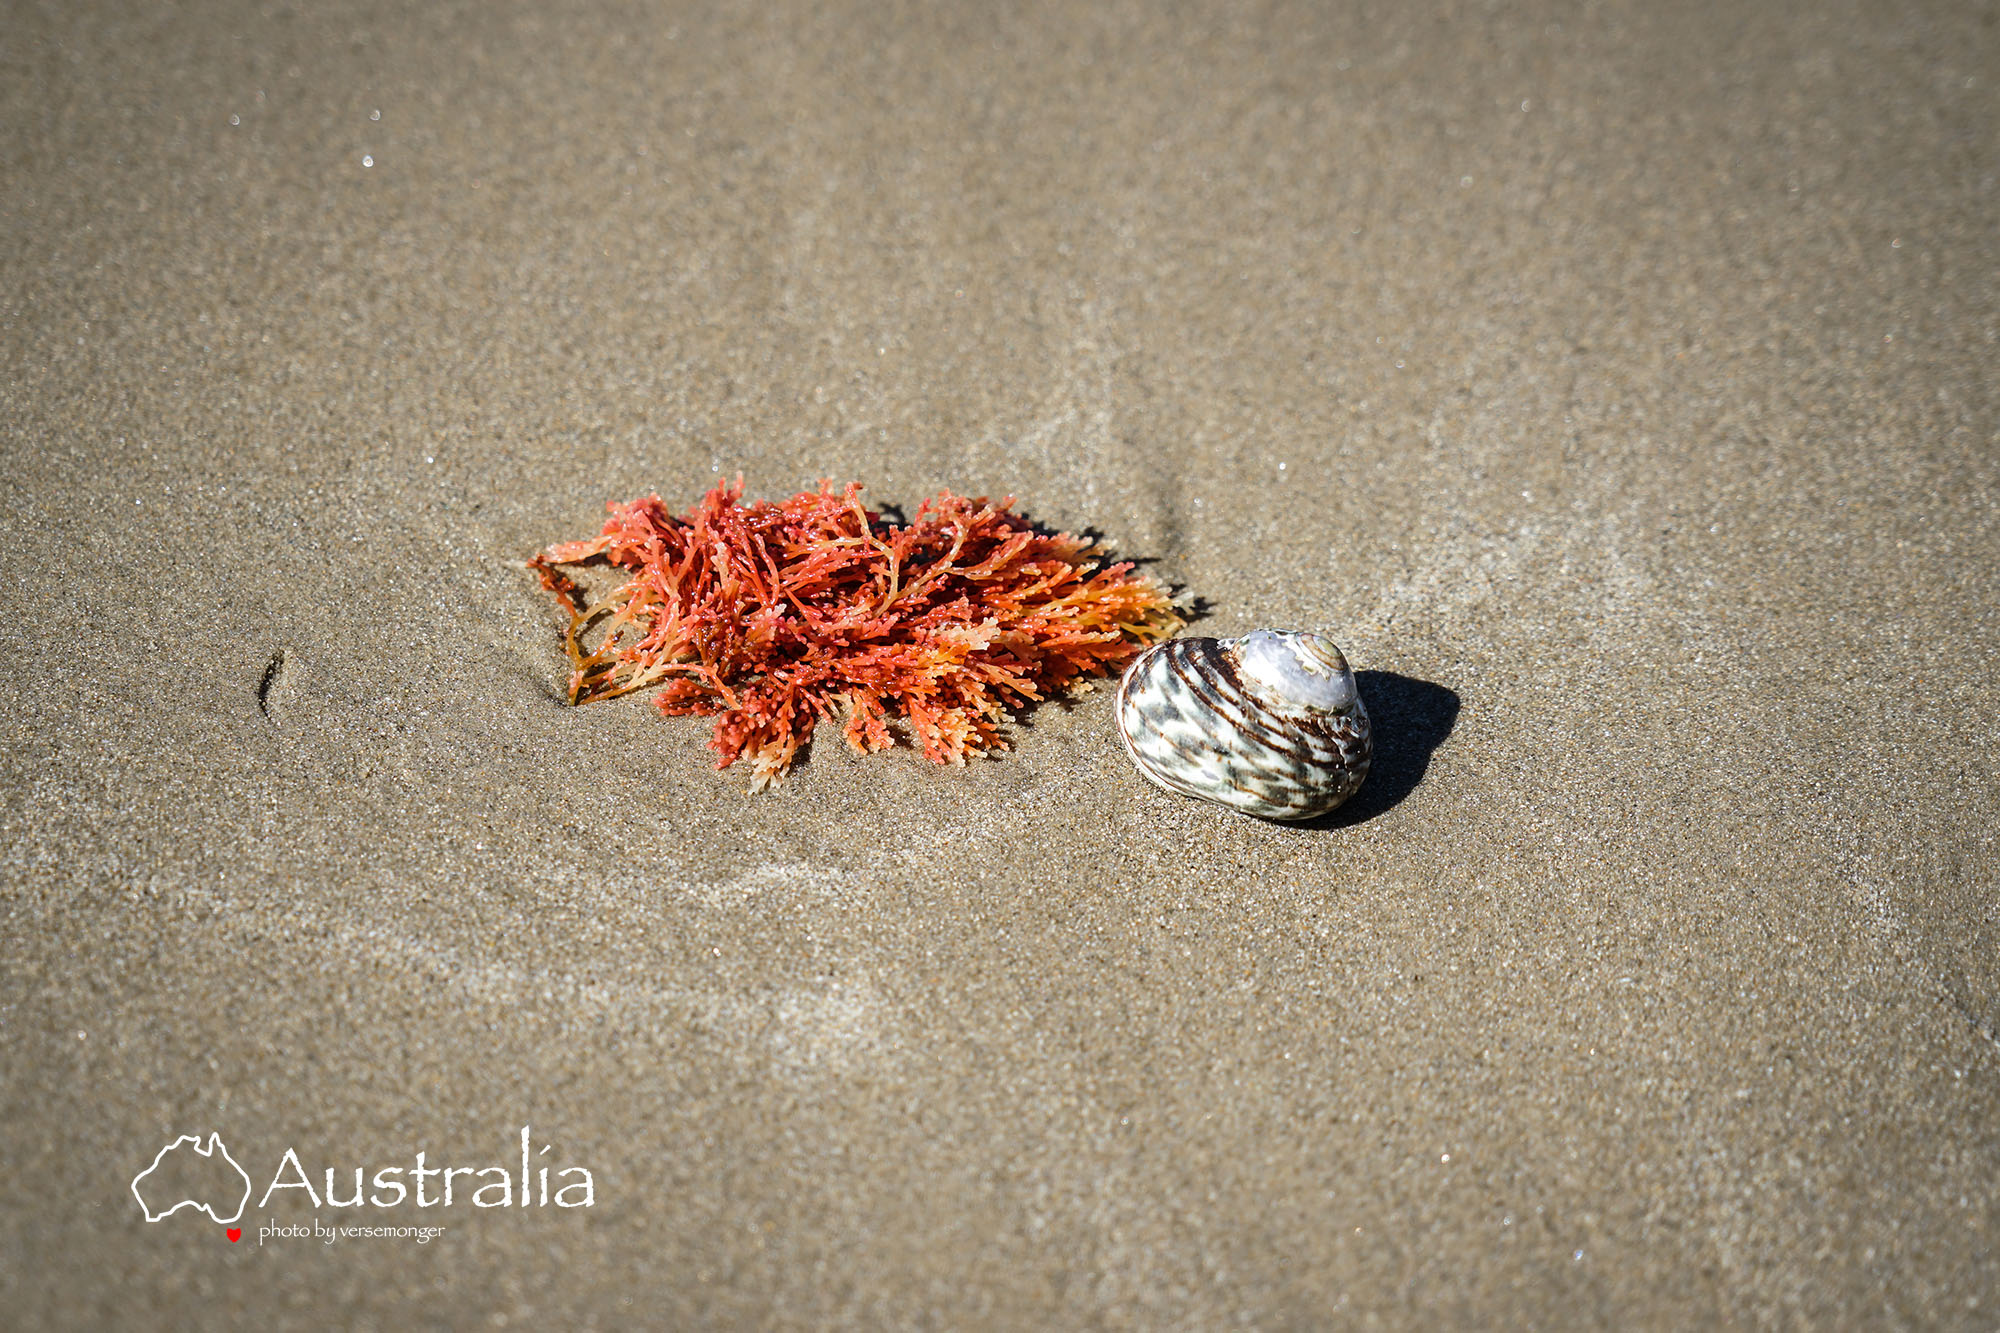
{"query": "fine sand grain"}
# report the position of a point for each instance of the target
(1616, 382)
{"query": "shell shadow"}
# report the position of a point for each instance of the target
(1411, 718)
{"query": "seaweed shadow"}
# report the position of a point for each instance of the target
(1411, 719)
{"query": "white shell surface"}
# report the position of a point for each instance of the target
(1269, 724)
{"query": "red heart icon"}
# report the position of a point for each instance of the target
(235, 1234)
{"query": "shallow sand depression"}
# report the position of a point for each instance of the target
(1614, 385)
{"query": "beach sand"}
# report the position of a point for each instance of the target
(1616, 385)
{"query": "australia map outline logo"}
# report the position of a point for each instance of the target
(212, 1149)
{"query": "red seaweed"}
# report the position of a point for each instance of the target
(777, 615)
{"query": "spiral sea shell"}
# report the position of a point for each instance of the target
(1269, 724)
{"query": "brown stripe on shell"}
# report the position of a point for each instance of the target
(1290, 738)
(1204, 682)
